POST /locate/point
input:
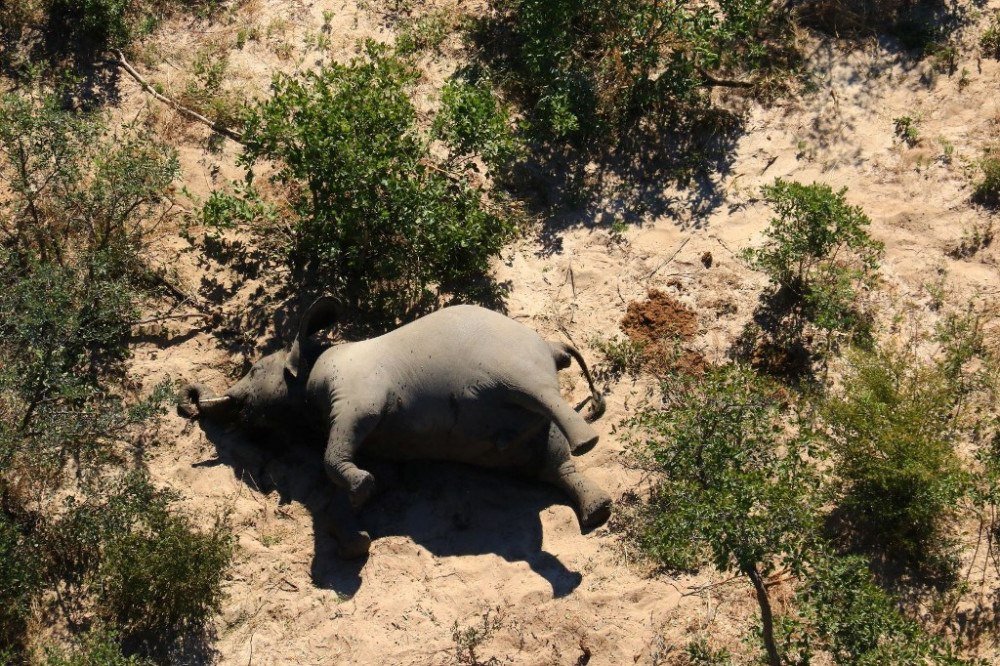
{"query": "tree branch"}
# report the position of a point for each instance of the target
(193, 115)
(710, 80)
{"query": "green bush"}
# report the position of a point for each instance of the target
(160, 574)
(820, 259)
(98, 647)
(71, 263)
(79, 32)
(923, 25)
(842, 612)
(734, 486)
(473, 122)
(818, 248)
(892, 431)
(990, 39)
(987, 190)
(376, 221)
(20, 581)
(92, 25)
(587, 70)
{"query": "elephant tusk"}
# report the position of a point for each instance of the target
(214, 401)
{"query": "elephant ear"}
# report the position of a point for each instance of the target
(321, 314)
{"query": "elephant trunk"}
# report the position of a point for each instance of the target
(199, 400)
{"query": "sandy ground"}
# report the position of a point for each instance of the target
(453, 546)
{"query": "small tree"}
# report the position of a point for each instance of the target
(820, 258)
(735, 486)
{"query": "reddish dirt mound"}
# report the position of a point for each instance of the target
(659, 316)
(662, 324)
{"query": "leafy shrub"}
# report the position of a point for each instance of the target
(892, 430)
(377, 222)
(98, 647)
(820, 258)
(819, 249)
(20, 581)
(735, 487)
(987, 190)
(473, 122)
(906, 129)
(842, 612)
(159, 575)
(924, 25)
(65, 32)
(586, 70)
(71, 264)
(700, 653)
(990, 39)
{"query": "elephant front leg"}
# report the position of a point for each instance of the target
(346, 437)
(352, 542)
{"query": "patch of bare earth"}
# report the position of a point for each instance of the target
(663, 326)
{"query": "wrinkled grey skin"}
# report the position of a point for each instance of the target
(462, 384)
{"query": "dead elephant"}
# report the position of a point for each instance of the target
(463, 384)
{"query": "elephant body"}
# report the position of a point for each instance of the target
(462, 384)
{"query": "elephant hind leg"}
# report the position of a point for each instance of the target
(579, 433)
(592, 504)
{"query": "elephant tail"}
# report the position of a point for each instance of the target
(563, 353)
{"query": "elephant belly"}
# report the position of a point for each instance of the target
(487, 435)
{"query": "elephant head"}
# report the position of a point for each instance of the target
(273, 387)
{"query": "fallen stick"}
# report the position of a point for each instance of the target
(193, 115)
(166, 317)
(668, 259)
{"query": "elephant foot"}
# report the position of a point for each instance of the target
(362, 487)
(584, 445)
(595, 513)
(355, 546)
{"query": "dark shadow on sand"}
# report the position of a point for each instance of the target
(449, 509)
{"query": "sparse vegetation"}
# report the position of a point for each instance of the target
(71, 259)
(621, 356)
(906, 129)
(989, 41)
(204, 91)
(469, 640)
(427, 32)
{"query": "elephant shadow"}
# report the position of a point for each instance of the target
(450, 509)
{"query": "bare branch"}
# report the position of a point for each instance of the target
(193, 115)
